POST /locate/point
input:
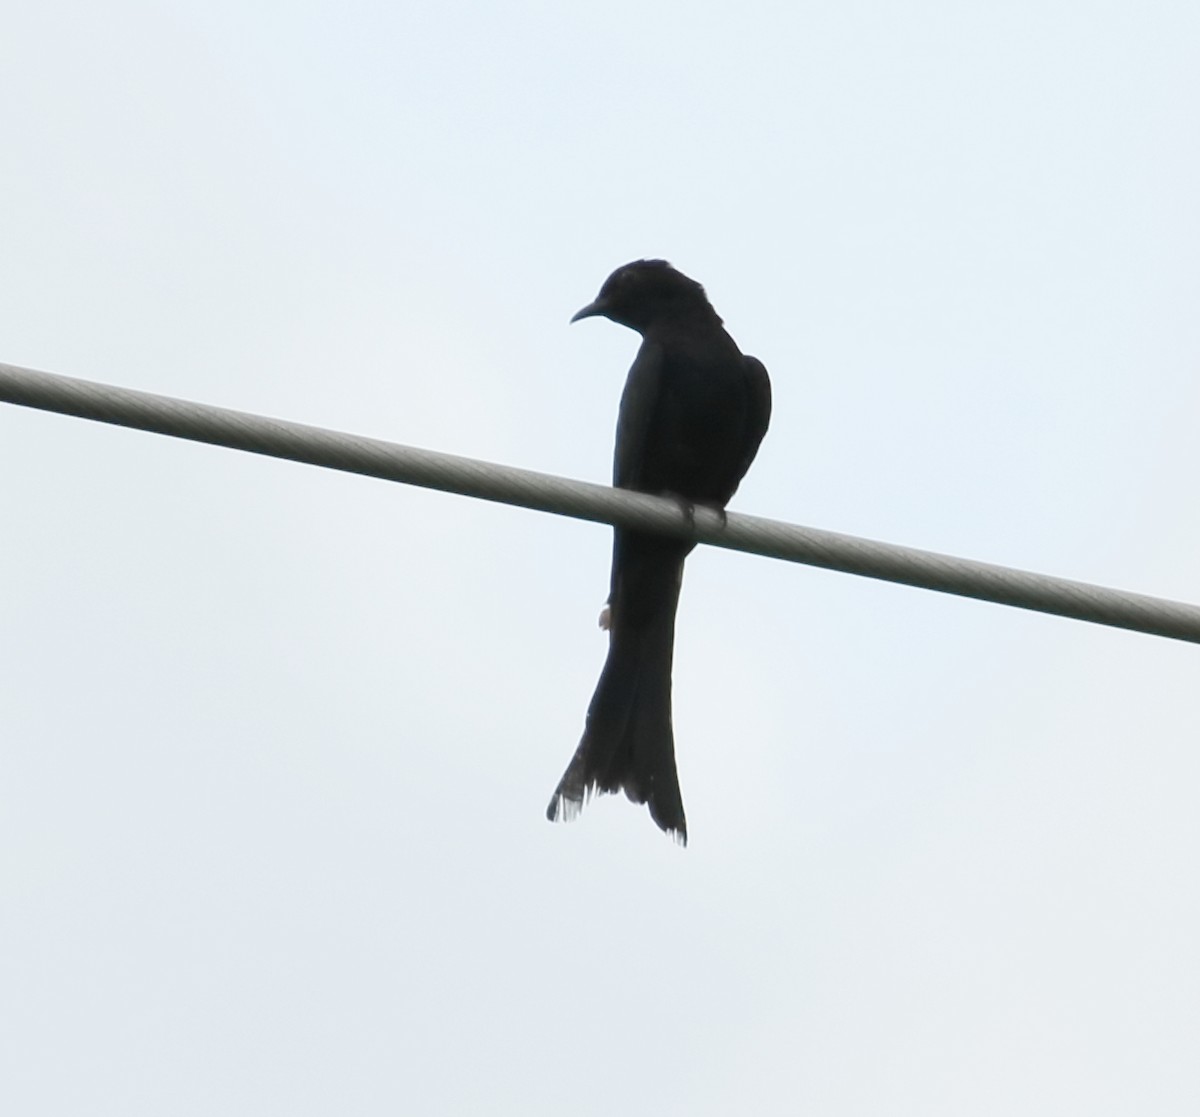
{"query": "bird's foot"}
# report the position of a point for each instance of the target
(688, 508)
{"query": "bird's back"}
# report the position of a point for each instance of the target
(704, 427)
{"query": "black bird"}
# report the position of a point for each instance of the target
(692, 415)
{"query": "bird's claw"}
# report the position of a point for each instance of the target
(688, 508)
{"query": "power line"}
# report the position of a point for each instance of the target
(544, 492)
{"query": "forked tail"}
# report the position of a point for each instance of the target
(628, 743)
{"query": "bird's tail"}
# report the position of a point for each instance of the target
(628, 743)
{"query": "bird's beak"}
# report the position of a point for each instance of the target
(592, 310)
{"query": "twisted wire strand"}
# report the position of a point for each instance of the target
(543, 492)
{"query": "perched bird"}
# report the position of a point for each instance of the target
(692, 415)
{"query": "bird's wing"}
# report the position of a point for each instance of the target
(758, 413)
(639, 401)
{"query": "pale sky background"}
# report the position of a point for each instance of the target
(277, 742)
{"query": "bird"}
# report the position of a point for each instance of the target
(692, 415)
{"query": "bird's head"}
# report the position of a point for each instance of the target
(647, 291)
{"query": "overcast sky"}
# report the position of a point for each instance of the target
(276, 742)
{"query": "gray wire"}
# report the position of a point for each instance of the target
(546, 493)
